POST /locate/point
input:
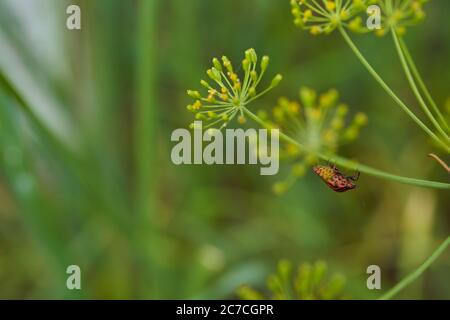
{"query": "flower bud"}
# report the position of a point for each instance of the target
(245, 65)
(361, 119)
(251, 55)
(278, 188)
(276, 81)
(264, 63)
(205, 84)
(217, 64)
(254, 76)
(194, 94)
(308, 97)
(227, 64)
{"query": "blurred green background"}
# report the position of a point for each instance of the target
(86, 176)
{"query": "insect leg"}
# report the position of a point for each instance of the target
(331, 164)
(355, 177)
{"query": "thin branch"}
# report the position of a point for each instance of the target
(414, 87)
(351, 164)
(416, 273)
(389, 91)
(440, 161)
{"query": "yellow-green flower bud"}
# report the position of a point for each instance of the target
(328, 99)
(205, 84)
(245, 65)
(242, 119)
(342, 110)
(276, 81)
(285, 269)
(217, 75)
(254, 76)
(361, 119)
(264, 63)
(351, 133)
(227, 64)
(210, 74)
(319, 272)
(277, 188)
(251, 55)
(337, 123)
(194, 94)
(217, 64)
(308, 97)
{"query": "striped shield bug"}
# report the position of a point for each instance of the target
(334, 178)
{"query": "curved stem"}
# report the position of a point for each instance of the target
(346, 163)
(414, 87)
(421, 83)
(440, 161)
(389, 90)
(416, 273)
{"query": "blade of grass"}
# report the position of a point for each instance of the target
(37, 211)
(146, 234)
(9, 89)
(44, 106)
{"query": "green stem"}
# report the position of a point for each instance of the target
(343, 162)
(147, 237)
(421, 83)
(414, 87)
(416, 273)
(389, 90)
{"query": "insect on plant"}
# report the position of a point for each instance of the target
(334, 178)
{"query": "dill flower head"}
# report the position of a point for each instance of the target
(228, 95)
(399, 15)
(318, 122)
(310, 282)
(324, 16)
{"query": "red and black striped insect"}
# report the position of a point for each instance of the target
(334, 178)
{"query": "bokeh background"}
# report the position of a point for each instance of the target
(86, 176)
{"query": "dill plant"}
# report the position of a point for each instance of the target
(309, 281)
(219, 106)
(230, 96)
(308, 142)
(324, 17)
(319, 120)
